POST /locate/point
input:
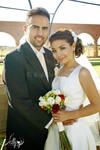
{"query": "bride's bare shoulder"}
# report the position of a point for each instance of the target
(84, 74)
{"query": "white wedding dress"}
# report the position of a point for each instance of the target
(79, 134)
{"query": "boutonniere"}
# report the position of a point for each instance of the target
(56, 69)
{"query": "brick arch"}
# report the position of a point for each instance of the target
(87, 34)
(13, 28)
(95, 37)
(10, 35)
(98, 46)
(16, 30)
(98, 38)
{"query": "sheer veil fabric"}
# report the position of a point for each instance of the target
(83, 60)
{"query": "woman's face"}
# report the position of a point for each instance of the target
(63, 52)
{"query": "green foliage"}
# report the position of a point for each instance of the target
(1, 142)
(64, 141)
(96, 63)
(90, 44)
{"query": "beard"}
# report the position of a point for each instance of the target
(38, 44)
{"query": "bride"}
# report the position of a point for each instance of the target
(76, 82)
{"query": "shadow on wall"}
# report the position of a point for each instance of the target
(3, 108)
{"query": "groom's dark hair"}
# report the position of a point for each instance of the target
(37, 11)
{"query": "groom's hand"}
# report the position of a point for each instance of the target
(69, 122)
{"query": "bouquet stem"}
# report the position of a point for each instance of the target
(64, 141)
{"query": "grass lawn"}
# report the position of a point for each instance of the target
(95, 63)
(1, 142)
(97, 69)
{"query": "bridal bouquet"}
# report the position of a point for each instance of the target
(53, 101)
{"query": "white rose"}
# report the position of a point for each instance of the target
(50, 101)
(41, 98)
(42, 102)
(56, 91)
(58, 100)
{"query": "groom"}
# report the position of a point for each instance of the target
(28, 74)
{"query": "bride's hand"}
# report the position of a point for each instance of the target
(60, 116)
(69, 122)
(64, 116)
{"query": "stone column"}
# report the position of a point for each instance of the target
(95, 48)
(17, 43)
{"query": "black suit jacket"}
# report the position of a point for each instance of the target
(26, 81)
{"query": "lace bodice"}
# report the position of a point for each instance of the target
(71, 88)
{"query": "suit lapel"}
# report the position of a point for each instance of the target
(33, 60)
(50, 65)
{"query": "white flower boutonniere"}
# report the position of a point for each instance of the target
(56, 69)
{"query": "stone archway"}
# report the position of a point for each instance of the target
(88, 43)
(13, 28)
(5, 36)
(98, 43)
(7, 44)
(16, 30)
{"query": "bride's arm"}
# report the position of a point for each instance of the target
(90, 90)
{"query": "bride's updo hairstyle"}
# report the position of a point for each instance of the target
(70, 37)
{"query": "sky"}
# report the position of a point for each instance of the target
(68, 12)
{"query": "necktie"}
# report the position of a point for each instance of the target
(42, 61)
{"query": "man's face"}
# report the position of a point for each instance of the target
(37, 30)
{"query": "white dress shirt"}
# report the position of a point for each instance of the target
(40, 56)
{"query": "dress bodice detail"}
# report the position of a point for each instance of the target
(71, 88)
